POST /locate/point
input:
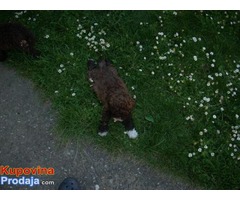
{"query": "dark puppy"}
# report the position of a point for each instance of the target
(113, 94)
(16, 36)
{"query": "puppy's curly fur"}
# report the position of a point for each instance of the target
(16, 36)
(113, 94)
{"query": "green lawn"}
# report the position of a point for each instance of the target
(182, 66)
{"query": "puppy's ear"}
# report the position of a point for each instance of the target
(91, 64)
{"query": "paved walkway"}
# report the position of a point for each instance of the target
(27, 140)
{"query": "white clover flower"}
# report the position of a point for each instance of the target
(222, 109)
(211, 53)
(205, 130)
(200, 133)
(73, 94)
(190, 155)
(218, 131)
(46, 36)
(102, 41)
(237, 116)
(61, 65)
(194, 39)
(161, 33)
(175, 13)
(214, 117)
(190, 118)
(199, 149)
(205, 147)
(56, 92)
(162, 57)
(210, 77)
(206, 99)
(236, 71)
(152, 72)
(212, 65)
(59, 71)
(140, 70)
(176, 34)
(71, 54)
(195, 58)
(212, 154)
(206, 113)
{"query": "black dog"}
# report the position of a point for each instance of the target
(16, 36)
(113, 94)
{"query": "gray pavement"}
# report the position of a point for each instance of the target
(27, 139)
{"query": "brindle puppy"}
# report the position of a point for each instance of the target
(16, 36)
(113, 94)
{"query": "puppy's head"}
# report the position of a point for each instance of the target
(96, 69)
(91, 64)
(101, 64)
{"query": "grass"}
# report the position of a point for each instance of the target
(182, 66)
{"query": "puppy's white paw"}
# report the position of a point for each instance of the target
(132, 133)
(103, 133)
(117, 120)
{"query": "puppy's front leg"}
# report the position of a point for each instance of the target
(103, 127)
(129, 127)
